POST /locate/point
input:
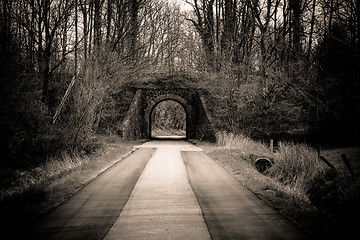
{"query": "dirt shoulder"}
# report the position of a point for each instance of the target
(28, 206)
(317, 223)
(68, 183)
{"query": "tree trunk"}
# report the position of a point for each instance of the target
(358, 29)
(297, 27)
(64, 45)
(76, 36)
(109, 19)
(44, 72)
(134, 11)
(85, 27)
(5, 28)
(32, 35)
(45, 54)
(91, 19)
(311, 27)
(229, 24)
(97, 23)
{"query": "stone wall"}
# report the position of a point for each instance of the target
(204, 121)
(136, 124)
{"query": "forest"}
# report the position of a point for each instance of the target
(272, 68)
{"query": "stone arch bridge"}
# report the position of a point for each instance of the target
(137, 122)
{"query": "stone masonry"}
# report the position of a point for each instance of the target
(137, 124)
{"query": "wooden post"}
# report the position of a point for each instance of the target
(327, 163)
(347, 164)
(271, 145)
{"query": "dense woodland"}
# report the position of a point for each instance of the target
(272, 68)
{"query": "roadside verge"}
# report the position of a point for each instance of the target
(29, 206)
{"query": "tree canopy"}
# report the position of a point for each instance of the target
(271, 67)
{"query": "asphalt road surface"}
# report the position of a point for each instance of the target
(165, 190)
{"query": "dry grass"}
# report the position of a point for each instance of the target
(292, 164)
(298, 185)
(287, 200)
(27, 194)
(295, 165)
(244, 144)
(39, 177)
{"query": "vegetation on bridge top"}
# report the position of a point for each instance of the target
(165, 80)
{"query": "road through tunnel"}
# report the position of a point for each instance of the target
(168, 119)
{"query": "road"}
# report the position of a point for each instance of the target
(165, 190)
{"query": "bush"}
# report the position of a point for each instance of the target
(26, 132)
(101, 76)
(323, 190)
(28, 136)
(334, 191)
(296, 165)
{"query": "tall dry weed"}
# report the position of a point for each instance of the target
(43, 175)
(296, 165)
(246, 145)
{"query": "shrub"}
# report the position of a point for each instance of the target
(21, 181)
(296, 165)
(323, 191)
(334, 190)
(101, 76)
(26, 132)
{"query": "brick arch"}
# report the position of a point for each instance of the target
(166, 97)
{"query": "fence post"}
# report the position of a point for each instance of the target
(347, 164)
(327, 163)
(271, 145)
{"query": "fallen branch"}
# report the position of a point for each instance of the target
(61, 105)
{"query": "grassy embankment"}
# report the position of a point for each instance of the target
(29, 193)
(298, 185)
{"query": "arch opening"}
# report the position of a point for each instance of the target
(168, 120)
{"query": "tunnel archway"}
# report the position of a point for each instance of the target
(168, 120)
(137, 122)
(167, 98)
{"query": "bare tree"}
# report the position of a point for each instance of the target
(204, 23)
(97, 22)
